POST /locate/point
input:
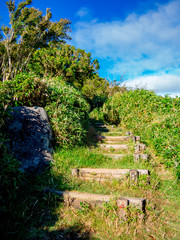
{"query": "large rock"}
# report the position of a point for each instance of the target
(30, 137)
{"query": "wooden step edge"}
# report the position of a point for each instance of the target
(116, 156)
(100, 126)
(113, 138)
(139, 148)
(75, 199)
(136, 156)
(102, 175)
(114, 146)
(142, 156)
(119, 138)
(106, 171)
(115, 133)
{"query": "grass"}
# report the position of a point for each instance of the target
(109, 226)
(42, 215)
(155, 118)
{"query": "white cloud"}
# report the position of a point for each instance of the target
(137, 45)
(165, 83)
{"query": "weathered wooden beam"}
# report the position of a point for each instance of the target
(77, 199)
(114, 132)
(119, 138)
(115, 156)
(137, 156)
(100, 126)
(102, 174)
(129, 133)
(136, 139)
(140, 147)
(114, 138)
(114, 146)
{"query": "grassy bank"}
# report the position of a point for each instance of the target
(156, 119)
(37, 214)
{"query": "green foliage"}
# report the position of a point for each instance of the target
(67, 109)
(156, 119)
(68, 112)
(24, 89)
(97, 114)
(29, 30)
(75, 66)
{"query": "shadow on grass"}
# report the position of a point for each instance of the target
(27, 212)
(72, 233)
(30, 212)
(95, 130)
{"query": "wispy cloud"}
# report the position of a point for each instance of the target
(138, 45)
(83, 12)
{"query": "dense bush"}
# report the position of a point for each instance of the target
(75, 67)
(155, 118)
(68, 112)
(67, 109)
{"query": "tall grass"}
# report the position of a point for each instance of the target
(67, 109)
(155, 118)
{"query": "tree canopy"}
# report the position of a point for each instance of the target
(32, 43)
(29, 30)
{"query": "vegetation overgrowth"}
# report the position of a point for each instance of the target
(38, 68)
(155, 118)
(67, 109)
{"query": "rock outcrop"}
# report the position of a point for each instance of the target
(30, 137)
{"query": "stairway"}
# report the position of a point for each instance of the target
(111, 143)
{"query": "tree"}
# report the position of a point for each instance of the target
(29, 30)
(72, 64)
(75, 66)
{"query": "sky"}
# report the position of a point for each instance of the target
(135, 41)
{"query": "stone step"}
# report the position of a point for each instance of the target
(76, 199)
(104, 174)
(114, 146)
(137, 156)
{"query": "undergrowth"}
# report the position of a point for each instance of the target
(156, 119)
(67, 109)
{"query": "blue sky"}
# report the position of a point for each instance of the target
(136, 39)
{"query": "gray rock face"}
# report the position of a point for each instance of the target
(30, 137)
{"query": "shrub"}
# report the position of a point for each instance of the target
(67, 109)
(155, 118)
(68, 112)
